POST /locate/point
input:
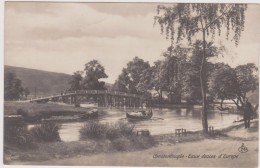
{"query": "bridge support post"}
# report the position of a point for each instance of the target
(71, 99)
(104, 101)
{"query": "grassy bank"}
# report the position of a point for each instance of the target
(11, 108)
(35, 112)
(95, 138)
(92, 146)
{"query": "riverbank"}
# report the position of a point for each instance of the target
(98, 153)
(58, 112)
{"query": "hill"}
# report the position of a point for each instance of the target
(46, 83)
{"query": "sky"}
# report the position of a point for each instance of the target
(63, 37)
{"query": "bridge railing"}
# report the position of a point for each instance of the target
(102, 92)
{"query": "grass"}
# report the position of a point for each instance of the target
(96, 130)
(11, 108)
(46, 132)
(17, 135)
(35, 112)
(121, 135)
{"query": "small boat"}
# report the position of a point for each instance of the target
(140, 115)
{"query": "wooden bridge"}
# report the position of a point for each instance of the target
(104, 98)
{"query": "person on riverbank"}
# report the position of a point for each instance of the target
(248, 112)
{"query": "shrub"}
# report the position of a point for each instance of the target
(142, 142)
(22, 112)
(118, 130)
(46, 132)
(18, 136)
(122, 144)
(125, 128)
(92, 130)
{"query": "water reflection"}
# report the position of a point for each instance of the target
(163, 121)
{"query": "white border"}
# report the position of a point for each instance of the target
(2, 2)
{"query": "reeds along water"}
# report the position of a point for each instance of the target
(18, 135)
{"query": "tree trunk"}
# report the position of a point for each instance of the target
(203, 88)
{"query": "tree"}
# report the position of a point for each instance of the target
(122, 83)
(131, 76)
(228, 83)
(13, 89)
(187, 20)
(192, 86)
(26, 92)
(76, 81)
(159, 78)
(247, 81)
(223, 83)
(93, 72)
(175, 67)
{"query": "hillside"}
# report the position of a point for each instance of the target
(46, 83)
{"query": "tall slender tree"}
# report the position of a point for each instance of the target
(185, 21)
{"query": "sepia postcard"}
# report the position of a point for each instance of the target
(136, 84)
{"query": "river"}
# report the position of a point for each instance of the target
(163, 121)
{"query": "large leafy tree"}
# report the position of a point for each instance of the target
(131, 76)
(159, 78)
(228, 83)
(76, 81)
(123, 82)
(13, 89)
(223, 83)
(94, 71)
(175, 67)
(191, 86)
(187, 21)
(247, 81)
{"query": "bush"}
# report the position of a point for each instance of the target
(18, 136)
(120, 134)
(22, 112)
(46, 132)
(122, 144)
(142, 142)
(95, 130)
(119, 129)
(92, 130)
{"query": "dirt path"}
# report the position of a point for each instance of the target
(145, 158)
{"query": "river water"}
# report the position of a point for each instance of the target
(163, 121)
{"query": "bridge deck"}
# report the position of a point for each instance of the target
(87, 92)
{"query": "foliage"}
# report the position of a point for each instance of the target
(92, 130)
(187, 20)
(13, 89)
(94, 71)
(192, 87)
(247, 81)
(26, 92)
(158, 78)
(223, 82)
(174, 68)
(96, 130)
(46, 132)
(228, 83)
(76, 81)
(122, 83)
(131, 76)
(17, 135)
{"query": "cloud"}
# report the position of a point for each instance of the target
(62, 37)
